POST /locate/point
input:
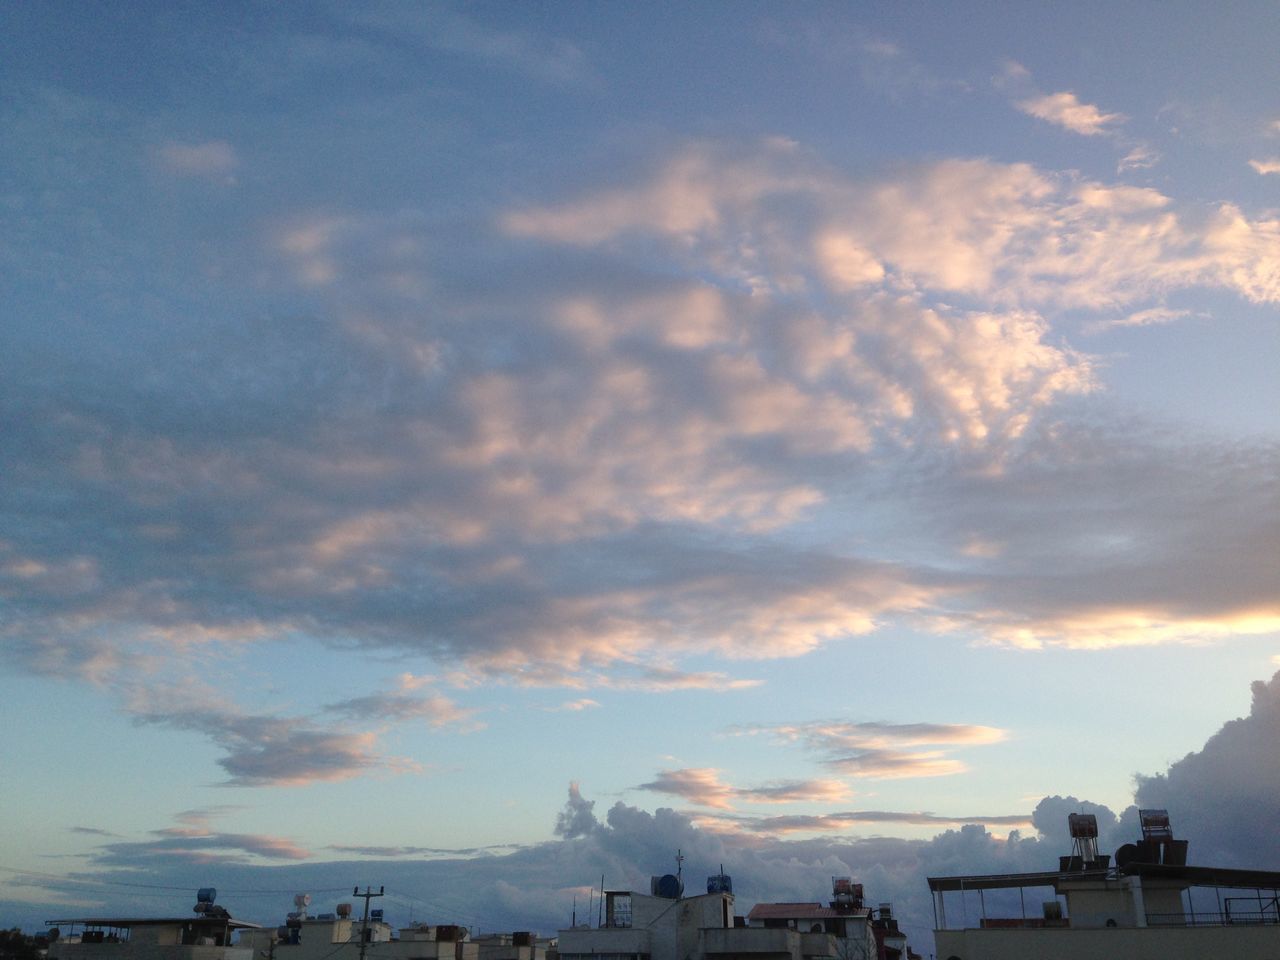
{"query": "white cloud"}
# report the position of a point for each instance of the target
(1141, 157)
(1268, 166)
(1152, 316)
(1065, 110)
(883, 751)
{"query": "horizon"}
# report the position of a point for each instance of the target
(816, 437)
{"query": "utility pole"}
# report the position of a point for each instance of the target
(364, 924)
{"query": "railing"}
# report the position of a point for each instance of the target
(1213, 918)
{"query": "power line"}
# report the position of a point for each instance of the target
(149, 886)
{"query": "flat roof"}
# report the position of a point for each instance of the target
(799, 911)
(1192, 876)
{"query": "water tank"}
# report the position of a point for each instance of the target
(344, 910)
(669, 886)
(720, 883)
(1126, 854)
(376, 916)
(206, 895)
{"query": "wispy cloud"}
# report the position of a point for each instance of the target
(1141, 318)
(1065, 110)
(883, 750)
(1265, 167)
(842, 821)
(703, 786)
(402, 705)
(193, 839)
(263, 749)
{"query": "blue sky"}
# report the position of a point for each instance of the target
(837, 427)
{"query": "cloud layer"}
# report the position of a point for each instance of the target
(607, 461)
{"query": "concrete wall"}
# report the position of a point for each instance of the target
(144, 948)
(1152, 943)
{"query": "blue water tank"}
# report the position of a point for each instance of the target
(206, 895)
(720, 883)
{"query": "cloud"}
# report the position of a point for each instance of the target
(1268, 166)
(1142, 318)
(1221, 797)
(832, 823)
(214, 160)
(1123, 568)
(547, 59)
(592, 472)
(577, 818)
(577, 706)
(193, 840)
(1225, 797)
(382, 852)
(1140, 157)
(701, 786)
(1065, 110)
(882, 750)
(400, 706)
(262, 749)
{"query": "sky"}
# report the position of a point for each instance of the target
(473, 448)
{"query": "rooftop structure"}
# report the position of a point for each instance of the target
(666, 925)
(1148, 904)
(207, 935)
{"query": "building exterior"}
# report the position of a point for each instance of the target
(339, 935)
(1148, 905)
(665, 925)
(207, 934)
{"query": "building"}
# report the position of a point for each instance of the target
(1147, 905)
(339, 935)
(206, 935)
(667, 925)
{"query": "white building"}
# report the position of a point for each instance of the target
(636, 926)
(205, 935)
(1148, 905)
(339, 935)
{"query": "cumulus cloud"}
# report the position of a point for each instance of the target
(1221, 797)
(1225, 797)
(577, 818)
(1065, 110)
